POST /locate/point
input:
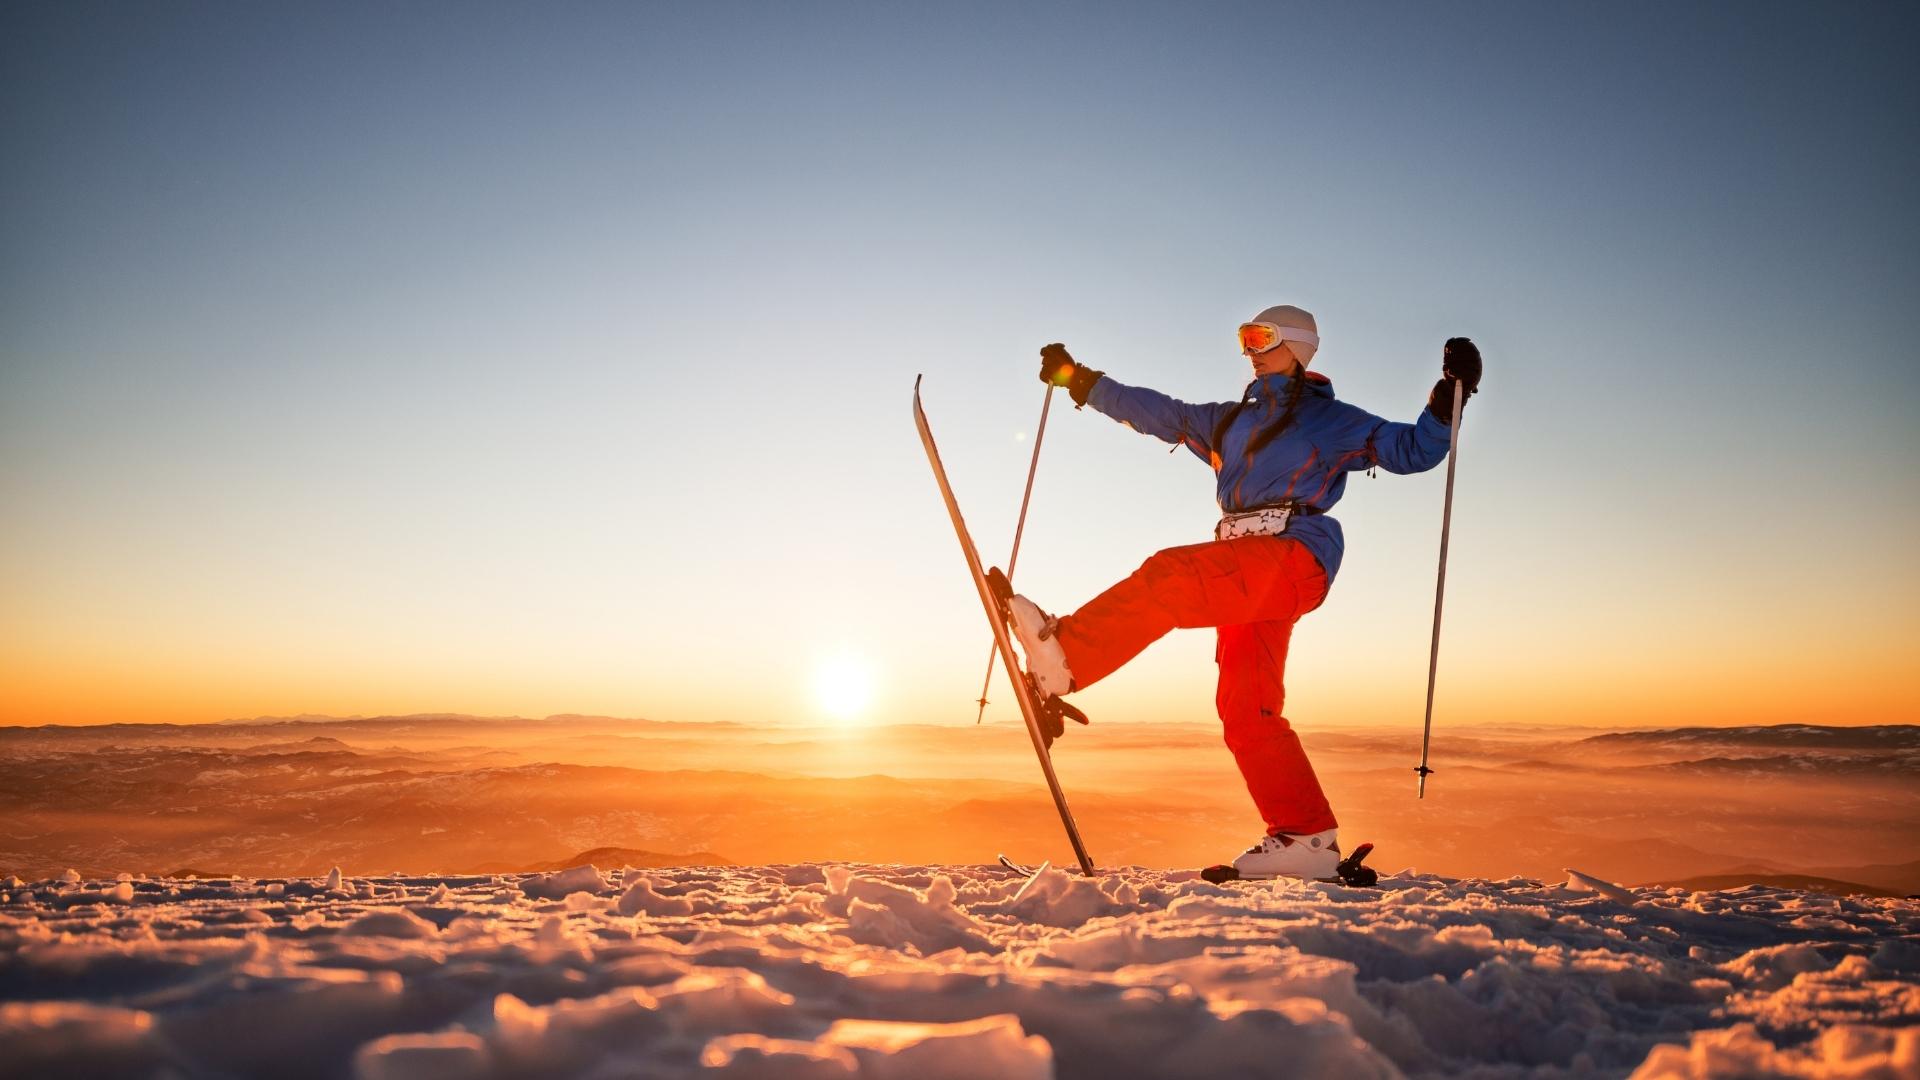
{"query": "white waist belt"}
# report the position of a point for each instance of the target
(1269, 521)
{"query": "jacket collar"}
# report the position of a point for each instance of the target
(1275, 387)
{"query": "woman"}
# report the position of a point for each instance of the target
(1280, 458)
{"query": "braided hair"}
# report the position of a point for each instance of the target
(1295, 391)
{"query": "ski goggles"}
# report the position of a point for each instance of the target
(1259, 337)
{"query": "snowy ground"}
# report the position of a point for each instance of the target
(929, 972)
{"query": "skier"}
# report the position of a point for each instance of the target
(1280, 456)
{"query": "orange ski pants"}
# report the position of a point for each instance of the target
(1252, 588)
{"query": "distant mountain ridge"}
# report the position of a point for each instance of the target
(608, 858)
(1802, 736)
(1882, 879)
(447, 718)
(1824, 764)
(1802, 882)
(1812, 736)
(445, 791)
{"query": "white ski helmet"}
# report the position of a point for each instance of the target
(1304, 340)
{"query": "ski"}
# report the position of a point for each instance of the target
(1027, 885)
(995, 611)
(1351, 872)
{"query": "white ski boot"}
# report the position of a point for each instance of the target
(1314, 856)
(1046, 660)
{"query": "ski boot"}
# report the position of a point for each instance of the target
(1047, 675)
(1276, 856)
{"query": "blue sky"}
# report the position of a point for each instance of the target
(502, 359)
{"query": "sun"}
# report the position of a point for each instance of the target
(843, 685)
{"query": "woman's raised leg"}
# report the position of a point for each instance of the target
(1223, 582)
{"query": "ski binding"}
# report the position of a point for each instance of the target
(1054, 711)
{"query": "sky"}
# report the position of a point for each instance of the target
(499, 359)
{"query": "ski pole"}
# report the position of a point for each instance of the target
(1019, 527)
(1440, 589)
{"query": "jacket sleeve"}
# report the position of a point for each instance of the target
(1367, 440)
(1153, 413)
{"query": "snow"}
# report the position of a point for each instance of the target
(1862, 1053)
(990, 1046)
(947, 971)
(1580, 882)
(641, 898)
(388, 922)
(561, 883)
(447, 1055)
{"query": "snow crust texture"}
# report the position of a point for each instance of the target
(932, 972)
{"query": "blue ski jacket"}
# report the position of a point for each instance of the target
(1308, 463)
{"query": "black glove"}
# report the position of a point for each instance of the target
(1058, 369)
(1459, 360)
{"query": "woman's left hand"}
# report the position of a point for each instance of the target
(1460, 359)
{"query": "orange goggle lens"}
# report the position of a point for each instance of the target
(1255, 338)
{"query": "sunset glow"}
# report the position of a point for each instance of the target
(843, 687)
(448, 466)
(496, 501)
